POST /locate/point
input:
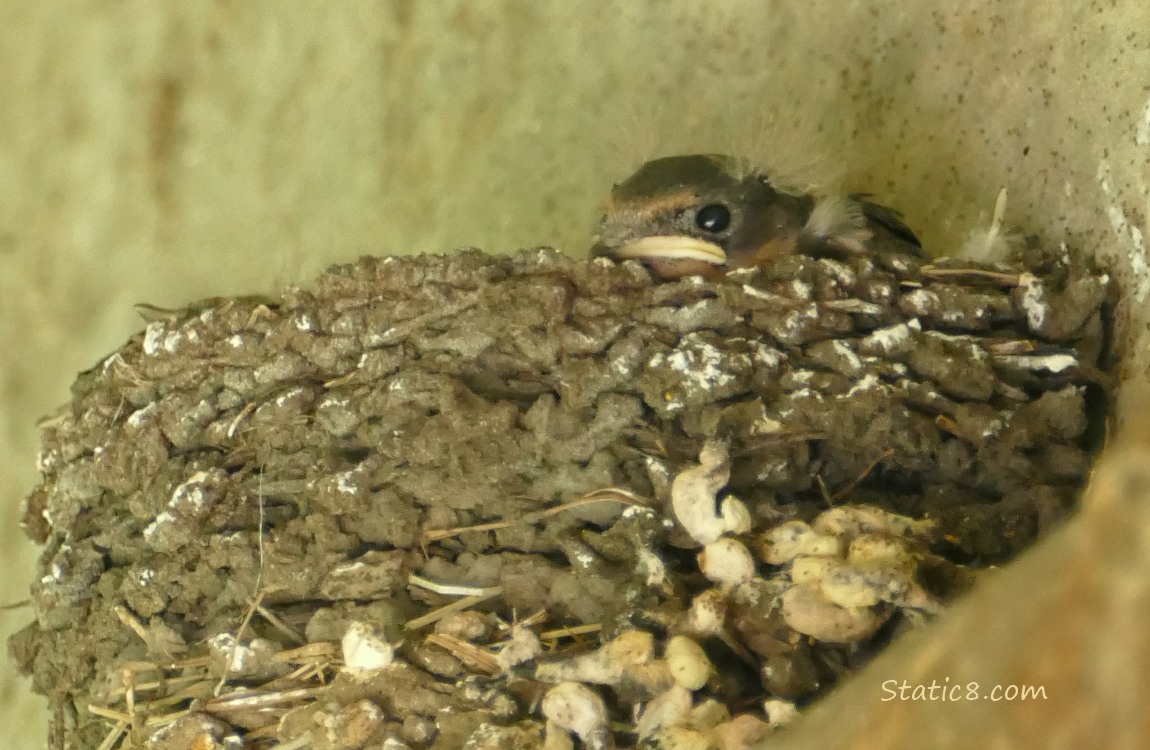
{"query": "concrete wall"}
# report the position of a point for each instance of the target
(162, 152)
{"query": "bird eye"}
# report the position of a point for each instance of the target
(714, 217)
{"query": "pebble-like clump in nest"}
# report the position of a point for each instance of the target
(497, 502)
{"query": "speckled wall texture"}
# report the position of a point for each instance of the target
(164, 152)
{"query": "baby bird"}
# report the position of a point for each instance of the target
(708, 213)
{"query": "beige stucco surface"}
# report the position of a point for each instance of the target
(162, 152)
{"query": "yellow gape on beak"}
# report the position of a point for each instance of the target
(671, 247)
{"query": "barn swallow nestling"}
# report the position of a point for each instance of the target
(707, 214)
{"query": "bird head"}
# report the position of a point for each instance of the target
(698, 214)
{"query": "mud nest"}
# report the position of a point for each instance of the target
(473, 501)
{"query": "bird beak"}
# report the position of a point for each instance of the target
(670, 247)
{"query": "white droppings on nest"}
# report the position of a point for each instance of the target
(793, 320)
(284, 398)
(868, 382)
(888, 338)
(652, 567)
(110, 362)
(954, 316)
(305, 322)
(801, 289)
(55, 574)
(768, 356)
(960, 338)
(780, 712)
(1033, 300)
(236, 341)
(766, 426)
(153, 337)
(634, 511)
(922, 301)
(844, 350)
(1049, 363)
(692, 310)
(802, 377)
(1142, 131)
(803, 394)
(169, 343)
(1136, 256)
(237, 657)
(333, 401)
(189, 500)
(584, 558)
(700, 363)
(46, 461)
(365, 650)
(141, 415)
(345, 568)
(762, 294)
(622, 366)
(840, 271)
(191, 496)
(994, 426)
(345, 484)
(164, 518)
(145, 576)
(376, 339)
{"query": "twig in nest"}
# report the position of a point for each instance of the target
(778, 438)
(865, 472)
(608, 494)
(259, 592)
(240, 633)
(113, 736)
(234, 427)
(971, 274)
(824, 491)
(118, 716)
(571, 632)
(451, 589)
(280, 625)
(322, 650)
(456, 606)
(161, 684)
(253, 699)
(471, 655)
(946, 423)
